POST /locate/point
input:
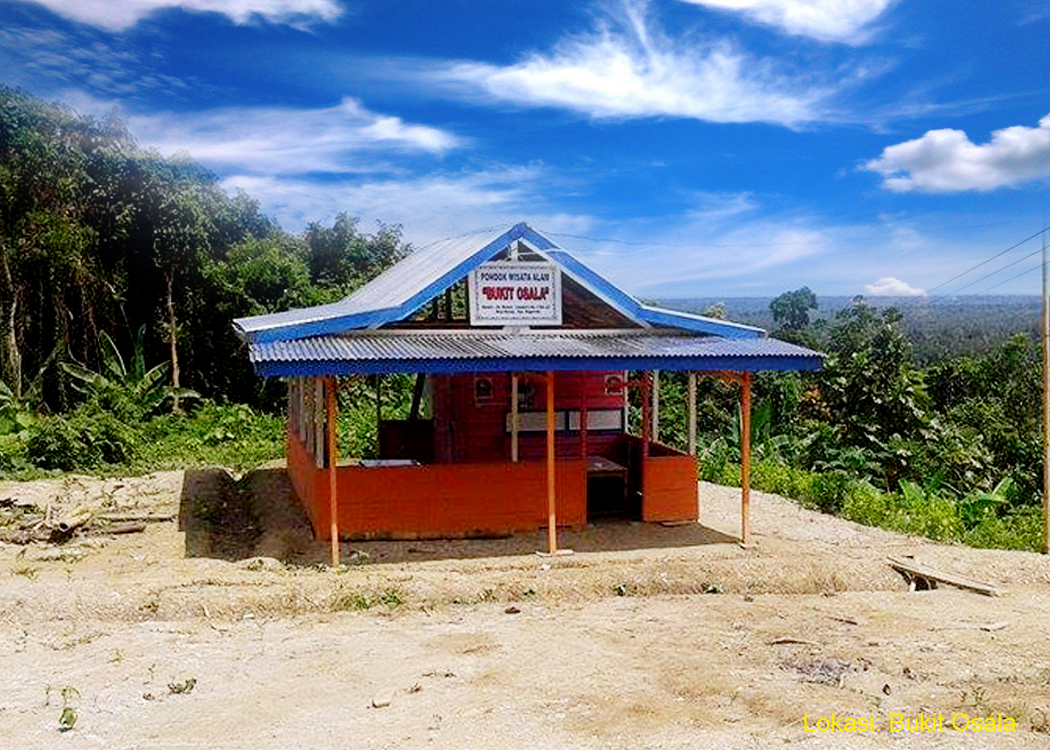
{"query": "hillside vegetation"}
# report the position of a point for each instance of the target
(120, 271)
(950, 449)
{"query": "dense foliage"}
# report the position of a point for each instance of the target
(99, 236)
(113, 258)
(951, 450)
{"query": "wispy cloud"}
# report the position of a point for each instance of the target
(119, 15)
(286, 140)
(762, 250)
(50, 62)
(629, 67)
(849, 21)
(727, 256)
(891, 286)
(430, 206)
(946, 160)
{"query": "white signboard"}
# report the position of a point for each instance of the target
(515, 294)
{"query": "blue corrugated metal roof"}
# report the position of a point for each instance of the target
(459, 351)
(405, 287)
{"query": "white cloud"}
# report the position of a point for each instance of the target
(709, 247)
(945, 161)
(342, 139)
(827, 20)
(629, 68)
(119, 15)
(891, 286)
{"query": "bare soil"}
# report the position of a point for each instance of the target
(219, 626)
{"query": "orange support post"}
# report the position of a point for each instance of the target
(333, 495)
(552, 518)
(745, 459)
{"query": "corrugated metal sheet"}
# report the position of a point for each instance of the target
(484, 348)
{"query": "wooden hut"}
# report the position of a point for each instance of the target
(522, 357)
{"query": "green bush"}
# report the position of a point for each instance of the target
(86, 439)
(1019, 529)
(91, 440)
(231, 435)
(977, 519)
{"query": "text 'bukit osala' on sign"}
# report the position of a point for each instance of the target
(525, 294)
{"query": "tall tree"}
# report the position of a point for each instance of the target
(791, 309)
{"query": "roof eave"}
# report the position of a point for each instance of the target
(700, 323)
(316, 368)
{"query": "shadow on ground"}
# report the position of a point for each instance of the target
(259, 516)
(217, 516)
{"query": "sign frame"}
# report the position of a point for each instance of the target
(529, 301)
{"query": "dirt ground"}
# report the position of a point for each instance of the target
(218, 626)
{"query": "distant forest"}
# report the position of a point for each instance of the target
(943, 327)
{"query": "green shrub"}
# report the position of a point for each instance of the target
(1019, 529)
(231, 435)
(86, 439)
(976, 519)
(785, 480)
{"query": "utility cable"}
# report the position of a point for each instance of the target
(984, 262)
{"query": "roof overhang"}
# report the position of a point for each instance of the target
(380, 352)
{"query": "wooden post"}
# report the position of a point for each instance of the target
(552, 518)
(656, 406)
(692, 413)
(626, 403)
(583, 415)
(745, 459)
(333, 497)
(647, 422)
(1046, 404)
(379, 414)
(514, 418)
(417, 396)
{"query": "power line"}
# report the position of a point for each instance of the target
(986, 276)
(993, 286)
(984, 262)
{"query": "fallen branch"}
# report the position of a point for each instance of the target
(139, 517)
(913, 571)
(792, 641)
(75, 518)
(122, 528)
(847, 620)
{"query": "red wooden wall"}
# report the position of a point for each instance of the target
(467, 428)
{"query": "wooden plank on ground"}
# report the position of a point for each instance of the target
(912, 570)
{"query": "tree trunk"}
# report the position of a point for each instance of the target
(12, 358)
(173, 339)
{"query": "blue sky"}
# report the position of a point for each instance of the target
(682, 147)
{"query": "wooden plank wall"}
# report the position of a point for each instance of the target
(469, 429)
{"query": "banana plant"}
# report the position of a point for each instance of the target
(128, 390)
